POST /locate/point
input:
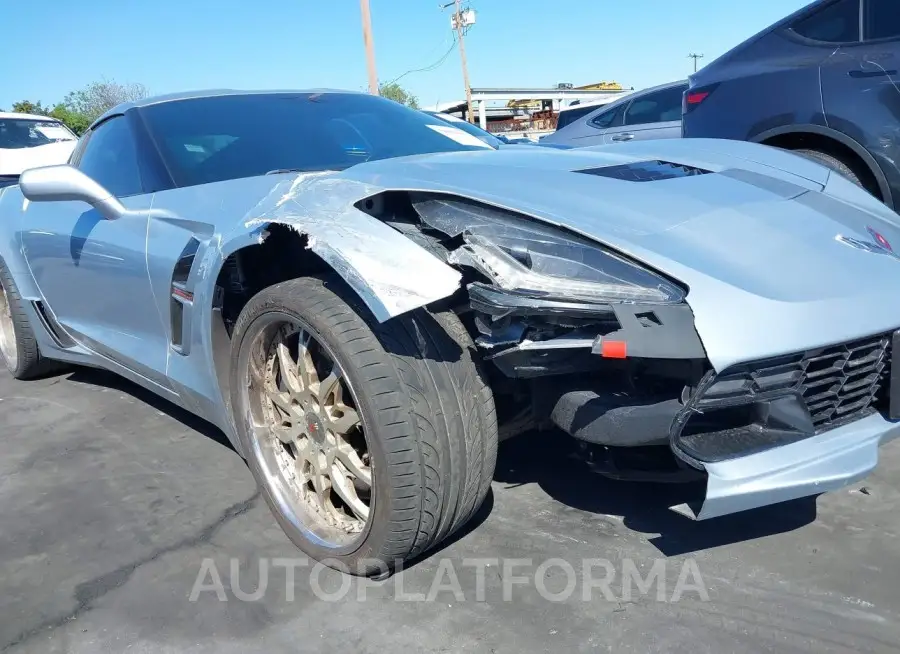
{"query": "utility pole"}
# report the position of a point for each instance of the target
(459, 24)
(695, 57)
(370, 46)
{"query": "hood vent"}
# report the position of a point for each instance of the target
(646, 171)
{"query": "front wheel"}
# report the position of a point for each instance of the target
(18, 345)
(371, 442)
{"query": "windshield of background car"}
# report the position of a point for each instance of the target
(212, 139)
(17, 133)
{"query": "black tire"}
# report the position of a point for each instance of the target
(429, 418)
(830, 161)
(28, 362)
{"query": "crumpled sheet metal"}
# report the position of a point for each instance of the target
(390, 273)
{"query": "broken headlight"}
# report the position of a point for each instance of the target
(547, 262)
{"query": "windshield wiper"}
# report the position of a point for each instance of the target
(328, 169)
(279, 171)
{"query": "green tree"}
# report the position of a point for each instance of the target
(395, 92)
(76, 122)
(98, 97)
(28, 107)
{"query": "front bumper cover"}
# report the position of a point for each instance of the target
(819, 464)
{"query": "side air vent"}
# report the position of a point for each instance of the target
(646, 171)
(53, 328)
(182, 297)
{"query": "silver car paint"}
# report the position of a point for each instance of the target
(816, 465)
(756, 245)
(754, 240)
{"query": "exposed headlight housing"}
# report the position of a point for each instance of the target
(525, 256)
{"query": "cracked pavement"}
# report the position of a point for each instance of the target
(111, 500)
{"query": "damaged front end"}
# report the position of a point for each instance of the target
(580, 337)
(575, 335)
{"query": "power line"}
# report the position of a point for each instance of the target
(429, 68)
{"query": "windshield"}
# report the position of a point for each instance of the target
(216, 138)
(474, 130)
(16, 133)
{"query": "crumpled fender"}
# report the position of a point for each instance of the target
(389, 272)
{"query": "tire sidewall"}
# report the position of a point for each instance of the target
(359, 556)
(18, 317)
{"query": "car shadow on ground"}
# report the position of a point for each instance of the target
(112, 381)
(547, 459)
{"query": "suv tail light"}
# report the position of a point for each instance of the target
(693, 98)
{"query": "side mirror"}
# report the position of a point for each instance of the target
(66, 183)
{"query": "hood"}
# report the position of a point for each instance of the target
(14, 161)
(778, 254)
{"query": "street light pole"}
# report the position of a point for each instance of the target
(370, 46)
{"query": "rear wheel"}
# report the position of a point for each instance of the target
(371, 442)
(832, 162)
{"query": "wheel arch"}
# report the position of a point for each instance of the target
(819, 135)
(278, 250)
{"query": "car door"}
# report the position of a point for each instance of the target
(655, 115)
(91, 271)
(861, 79)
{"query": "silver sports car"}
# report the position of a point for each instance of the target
(365, 299)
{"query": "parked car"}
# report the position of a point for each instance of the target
(653, 113)
(27, 141)
(481, 134)
(823, 82)
(494, 140)
(364, 301)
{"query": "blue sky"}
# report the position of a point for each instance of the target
(173, 45)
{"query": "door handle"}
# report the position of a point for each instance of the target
(623, 137)
(862, 74)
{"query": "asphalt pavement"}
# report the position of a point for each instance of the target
(128, 525)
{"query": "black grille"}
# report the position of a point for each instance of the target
(838, 383)
(646, 171)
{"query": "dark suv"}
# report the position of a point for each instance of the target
(824, 82)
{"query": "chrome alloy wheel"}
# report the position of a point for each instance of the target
(307, 433)
(7, 332)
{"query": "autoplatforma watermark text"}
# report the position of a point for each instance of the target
(469, 579)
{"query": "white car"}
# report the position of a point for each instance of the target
(29, 141)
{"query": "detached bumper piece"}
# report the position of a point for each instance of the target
(822, 463)
(787, 427)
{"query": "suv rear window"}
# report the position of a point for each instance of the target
(569, 116)
(659, 107)
(834, 23)
(882, 20)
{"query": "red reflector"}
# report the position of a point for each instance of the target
(613, 349)
(697, 98)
